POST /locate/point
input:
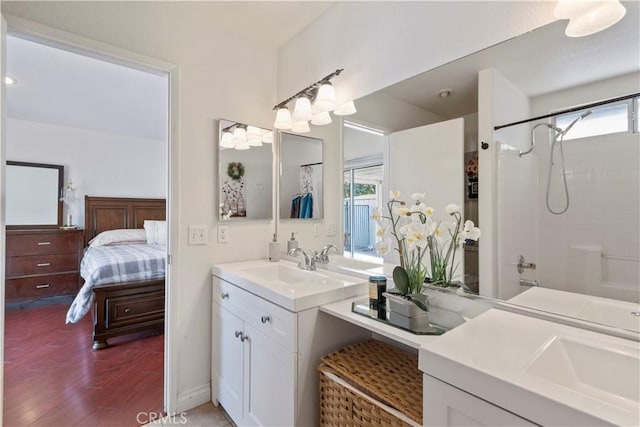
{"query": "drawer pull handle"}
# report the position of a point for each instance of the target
(43, 243)
(43, 286)
(43, 264)
(127, 310)
(265, 319)
(244, 337)
(239, 334)
(224, 295)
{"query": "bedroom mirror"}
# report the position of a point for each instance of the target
(245, 171)
(301, 174)
(33, 195)
(583, 264)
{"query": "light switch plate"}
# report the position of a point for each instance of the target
(198, 235)
(316, 229)
(223, 234)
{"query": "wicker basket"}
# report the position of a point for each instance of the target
(370, 384)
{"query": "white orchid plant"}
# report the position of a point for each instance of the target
(416, 232)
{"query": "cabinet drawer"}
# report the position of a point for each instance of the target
(270, 319)
(40, 287)
(43, 243)
(41, 264)
(125, 310)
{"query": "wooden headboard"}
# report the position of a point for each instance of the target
(112, 213)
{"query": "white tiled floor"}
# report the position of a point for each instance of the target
(205, 415)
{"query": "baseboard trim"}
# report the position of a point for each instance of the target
(194, 397)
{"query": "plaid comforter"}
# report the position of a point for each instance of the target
(112, 264)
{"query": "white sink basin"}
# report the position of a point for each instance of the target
(599, 372)
(617, 314)
(285, 284)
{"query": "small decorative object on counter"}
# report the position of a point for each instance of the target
(274, 249)
(377, 300)
(292, 243)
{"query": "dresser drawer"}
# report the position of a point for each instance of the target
(123, 311)
(41, 264)
(43, 243)
(40, 287)
(272, 320)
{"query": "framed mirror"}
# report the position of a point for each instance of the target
(583, 264)
(301, 177)
(33, 195)
(245, 170)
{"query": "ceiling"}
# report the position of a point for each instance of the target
(538, 62)
(62, 88)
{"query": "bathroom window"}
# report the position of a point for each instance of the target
(603, 120)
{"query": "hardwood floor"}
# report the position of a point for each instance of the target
(53, 378)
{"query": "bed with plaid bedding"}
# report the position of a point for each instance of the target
(103, 265)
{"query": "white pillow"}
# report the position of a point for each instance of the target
(115, 237)
(156, 232)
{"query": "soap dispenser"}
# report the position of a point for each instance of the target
(292, 243)
(274, 249)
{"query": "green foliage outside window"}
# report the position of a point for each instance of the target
(359, 189)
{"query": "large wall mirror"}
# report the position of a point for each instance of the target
(301, 177)
(33, 195)
(245, 168)
(588, 259)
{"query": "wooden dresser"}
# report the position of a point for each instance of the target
(42, 263)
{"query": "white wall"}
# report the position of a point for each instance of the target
(213, 68)
(98, 163)
(603, 175)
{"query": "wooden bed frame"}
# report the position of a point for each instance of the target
(121, 309)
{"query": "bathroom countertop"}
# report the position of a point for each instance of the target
(342, 310)
(548, 373)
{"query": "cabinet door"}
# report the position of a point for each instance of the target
(229, 353)
(270, 388)
(448, 406)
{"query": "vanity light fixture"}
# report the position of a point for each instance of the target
(312, 103)
(588, 17)
(243, 137)
(10, 81)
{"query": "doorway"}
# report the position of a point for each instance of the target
(137, 64)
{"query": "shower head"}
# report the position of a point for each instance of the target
(581, 116)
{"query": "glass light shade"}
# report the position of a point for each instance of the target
(600, 16)
(267, 137)
(345, 109)
(283, 119)
(239, 137)
(323, 118)
(226, 140)
(254, 136)
(325, 99)
(244, 146)
(302, 110)
(301, 127)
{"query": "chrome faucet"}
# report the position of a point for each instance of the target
(305, 261)
(323, 256)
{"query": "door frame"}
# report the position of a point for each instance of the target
(87, 47)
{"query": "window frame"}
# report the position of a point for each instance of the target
(632, 122)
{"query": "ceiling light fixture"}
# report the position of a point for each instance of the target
(445, 93)
(312, 103)
(10, 81)
(588, 17)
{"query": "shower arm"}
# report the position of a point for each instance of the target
(533, 137)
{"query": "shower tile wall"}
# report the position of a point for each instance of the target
(594, 247)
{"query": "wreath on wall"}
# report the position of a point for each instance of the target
(235, 170)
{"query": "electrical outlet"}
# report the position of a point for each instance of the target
(223, 234)
(316, 229)
(198, 235)
(332, 229)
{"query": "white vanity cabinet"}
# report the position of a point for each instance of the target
(448, 406)
(254, 364)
